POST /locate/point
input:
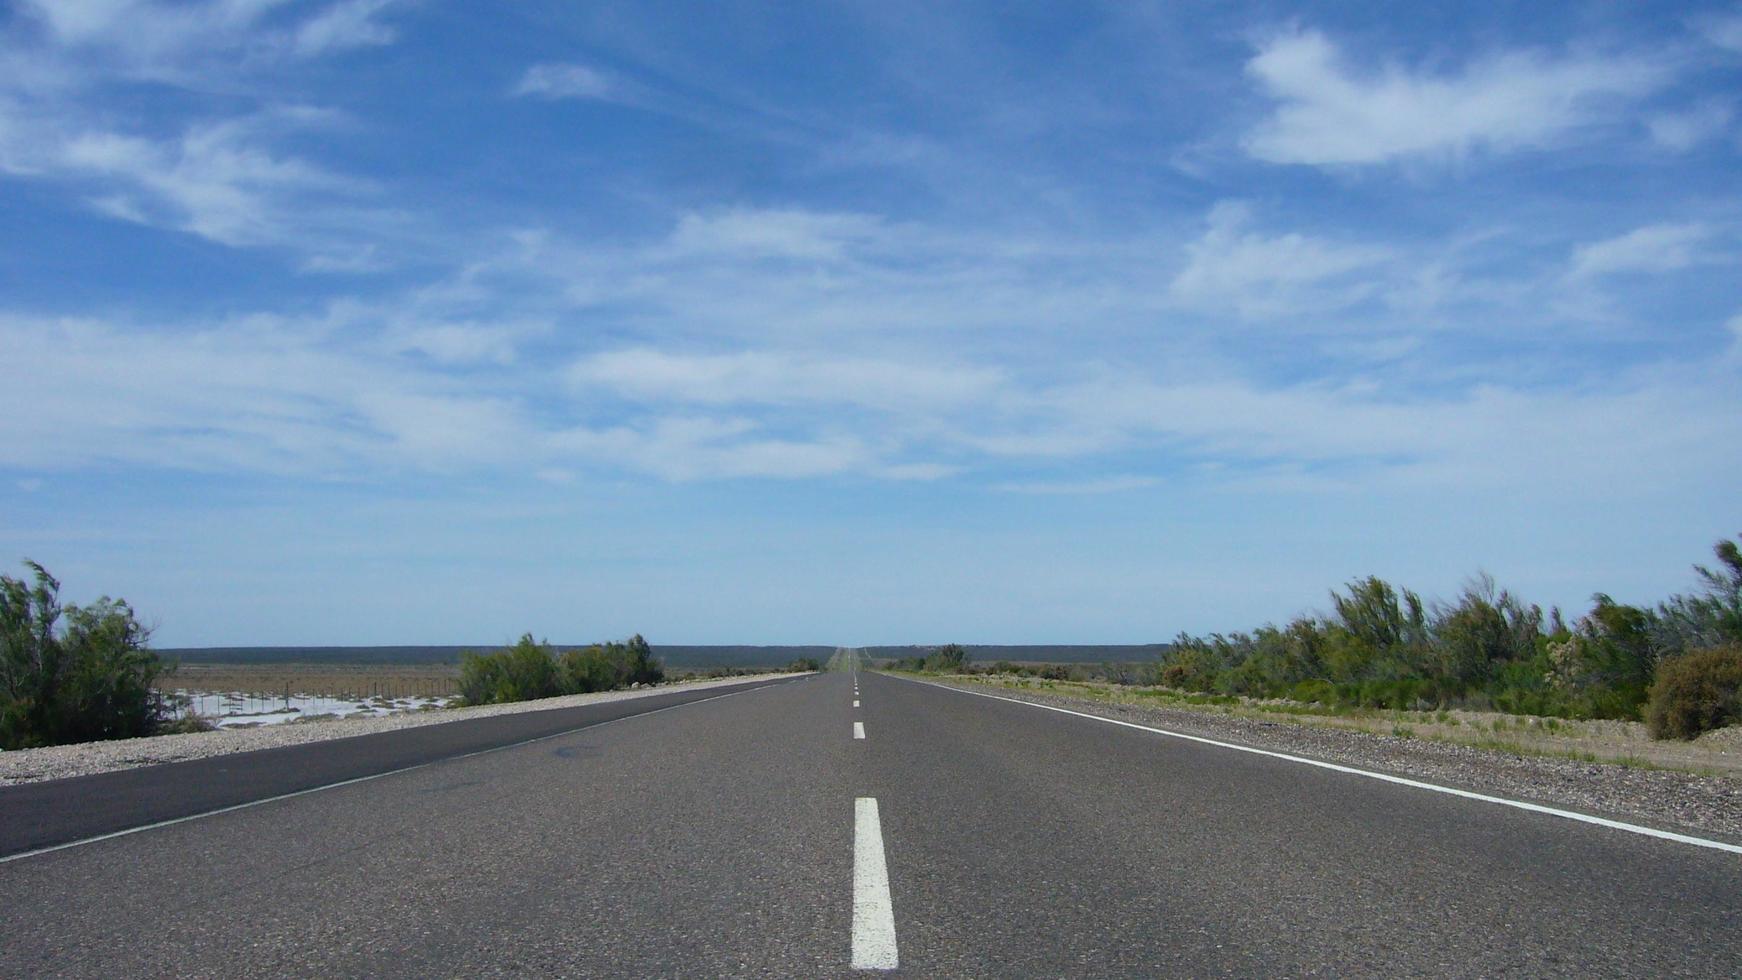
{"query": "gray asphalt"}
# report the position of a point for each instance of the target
(43, 814)
(716, 839)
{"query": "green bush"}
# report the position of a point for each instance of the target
(88, 680)
(951, 658)
(529, 670)
(1696, 693)
(522, 672)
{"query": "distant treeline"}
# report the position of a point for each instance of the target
(700, 657)
(676, 656)
(1032, 653)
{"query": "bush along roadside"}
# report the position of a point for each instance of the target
(1677, 666)
(534, 669)
(74, 673)
(1383, 647)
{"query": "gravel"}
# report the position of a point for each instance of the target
(84, 759)
(1666, 799)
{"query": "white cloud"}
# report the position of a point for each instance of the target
(223, 178)
(690, 448)
(268, 395)
(444, 430)
(221, 181)
(350, 24)
(192, 44)
(775, 233)
(1723, 30)
(1682, 131)
(1653, 248)
(569, 81)
(1331, 114)
(782, 378)
(1255, 274)
(459, 343)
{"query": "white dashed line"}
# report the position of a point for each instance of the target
(873, 914)
(858, 729)
(855, 703)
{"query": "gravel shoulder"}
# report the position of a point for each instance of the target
(87, 758)
(1706, 803)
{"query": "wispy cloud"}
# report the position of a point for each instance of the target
(785, 378)
(224, 176)
(1687, 129)
(1255, 274)
(1331, 113)
(221, 181)
(280, 397)
(1653, 248)
(569, 81)
(1723, 29)
(349, 24)
(190, 43)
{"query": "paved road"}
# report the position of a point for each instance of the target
(729, 837)
(36, 815)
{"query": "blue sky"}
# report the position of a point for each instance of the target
(370, 322)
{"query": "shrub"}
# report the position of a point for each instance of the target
(1695, 693)
(529, 670)
(951, 658)
(88, 680)
(1713, 617)
(522, 672)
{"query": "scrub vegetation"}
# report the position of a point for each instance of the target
(534, 669)
(951, 658)
(73, 673)
(1677, 666)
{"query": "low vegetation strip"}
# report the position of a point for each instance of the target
(1708, 802)
(1677, 667)
(71, 674)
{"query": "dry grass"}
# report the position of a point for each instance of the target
(325, 680)
(1625, 743)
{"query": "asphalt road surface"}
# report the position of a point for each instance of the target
(784, 831)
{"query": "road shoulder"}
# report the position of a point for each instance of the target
(1667, 799)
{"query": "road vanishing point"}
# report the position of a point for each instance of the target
(837, 824)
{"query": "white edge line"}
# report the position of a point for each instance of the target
(873, 913)
(21, 855)
(1383, 777)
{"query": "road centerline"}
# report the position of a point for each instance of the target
(873, 913)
